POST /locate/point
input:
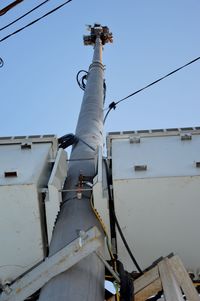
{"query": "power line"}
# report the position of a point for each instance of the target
(113, 104)
(33, 22)
(21, 17)
(4, 10)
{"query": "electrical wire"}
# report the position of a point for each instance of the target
(126, 245)
(104, 91)
(103, 227)
(1, 62)
(71, 139)
(67, 140)
(81, 82)
(117, 223)
(114, 104)
(111, 213)
(126, 283)
(4, 10)
(34, 21)
(24, 15)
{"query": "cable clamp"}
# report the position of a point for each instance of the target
(112, 105)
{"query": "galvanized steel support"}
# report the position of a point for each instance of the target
(85, 280)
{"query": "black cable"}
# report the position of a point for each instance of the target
(4, 10)
(33, 22)
(198, 289)
(67, 140)
(126, 245)
(82, 84)
(104, 91)
(114, 104)
(111, 213)
(126, 283)
(21, 17)
(71, 139)
(1, 62)
(117, 223)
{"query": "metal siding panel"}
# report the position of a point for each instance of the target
(158, 209)
(159, 216)
(20, 230)
(21, 225)
(29, 164)
(164, 156)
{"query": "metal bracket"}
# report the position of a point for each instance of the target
(64, 259)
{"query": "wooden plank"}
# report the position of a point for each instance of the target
(146, 279)
(183, 278)
(111, 299)
(170, 285)
(146, 285)
(173, 275)
(150, 290)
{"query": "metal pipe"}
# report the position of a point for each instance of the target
(84, 281)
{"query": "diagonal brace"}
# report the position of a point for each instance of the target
(64, 259)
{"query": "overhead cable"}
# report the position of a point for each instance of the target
(113, 104)
(24, 15)
(4, 10)
(36, 20)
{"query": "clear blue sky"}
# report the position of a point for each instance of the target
(39, 93)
